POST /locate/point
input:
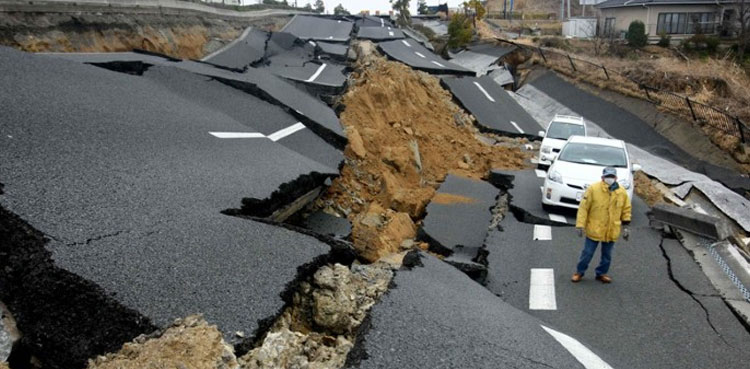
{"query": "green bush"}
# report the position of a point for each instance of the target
(636, 34)
(459, 30)
(712, 44)
(701, 42)
(664, 39)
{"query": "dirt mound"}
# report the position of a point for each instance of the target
(646, 189)
(189, 343)
(406, 134)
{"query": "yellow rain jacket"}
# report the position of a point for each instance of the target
(602, 212)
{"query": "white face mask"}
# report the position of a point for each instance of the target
(609, 181)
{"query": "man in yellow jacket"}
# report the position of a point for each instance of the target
(604, 210)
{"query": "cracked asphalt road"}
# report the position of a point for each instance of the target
(660, 311)
(120, 171)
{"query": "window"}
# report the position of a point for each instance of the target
(685, 23)
(583, 153)
(609, 26)
(562, 131)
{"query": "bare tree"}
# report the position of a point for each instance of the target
(402, 7)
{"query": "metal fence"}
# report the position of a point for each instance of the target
(702, 114)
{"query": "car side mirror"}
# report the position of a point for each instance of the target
(637, 167)
(541, 133)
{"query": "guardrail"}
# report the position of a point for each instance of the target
(700, 113)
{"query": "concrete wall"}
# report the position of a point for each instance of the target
(132, 6)
(649, 15)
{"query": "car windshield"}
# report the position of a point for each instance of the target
(563, 131)
(582, 153)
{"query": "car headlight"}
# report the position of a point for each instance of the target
(555, 176)
(546, 149)
(624, 183)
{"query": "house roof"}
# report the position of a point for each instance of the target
(627, 3)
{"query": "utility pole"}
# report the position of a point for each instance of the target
(562, 10)
(568, 9)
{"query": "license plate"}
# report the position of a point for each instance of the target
(579, 196)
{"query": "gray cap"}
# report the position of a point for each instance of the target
(609, 172)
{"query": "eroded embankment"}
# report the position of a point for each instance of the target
(405, 135)
(182, 36)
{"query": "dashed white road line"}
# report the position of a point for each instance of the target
(557, 218)
(542, 289)
(419, 54)
(390, 33)
(438, 64)
(237, 134)
(486, 94)
(540, 173)
(382, 23)
(317, 73)
(542, 232)
(406, 43)
(586, 357)
(517, 127)
(286, 131)
(273, 136)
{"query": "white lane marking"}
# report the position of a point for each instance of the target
(588, 359)
(390, 33)
(406, 43)
(542, 289)
(540, 173)
(317, 73)
(339, 21)
(558, 218)
(382, 24)
(541, 188)
(517, 127)
(286, 131)
(389, 28)
(419, 54)
(237, 134)
(438, 64)
(330, 37)
(486, 94)
(542, 232)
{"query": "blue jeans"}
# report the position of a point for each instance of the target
(589, 247)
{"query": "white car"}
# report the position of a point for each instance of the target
(559, 130)
(580, 164)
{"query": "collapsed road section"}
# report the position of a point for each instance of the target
(130, 198)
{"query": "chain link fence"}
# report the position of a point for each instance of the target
(702, 114)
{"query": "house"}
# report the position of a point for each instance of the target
(677, 18)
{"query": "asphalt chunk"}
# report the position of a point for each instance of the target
(322, 29)
(418, 57)
(494, 109)
(434, 316)
(121, 174)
